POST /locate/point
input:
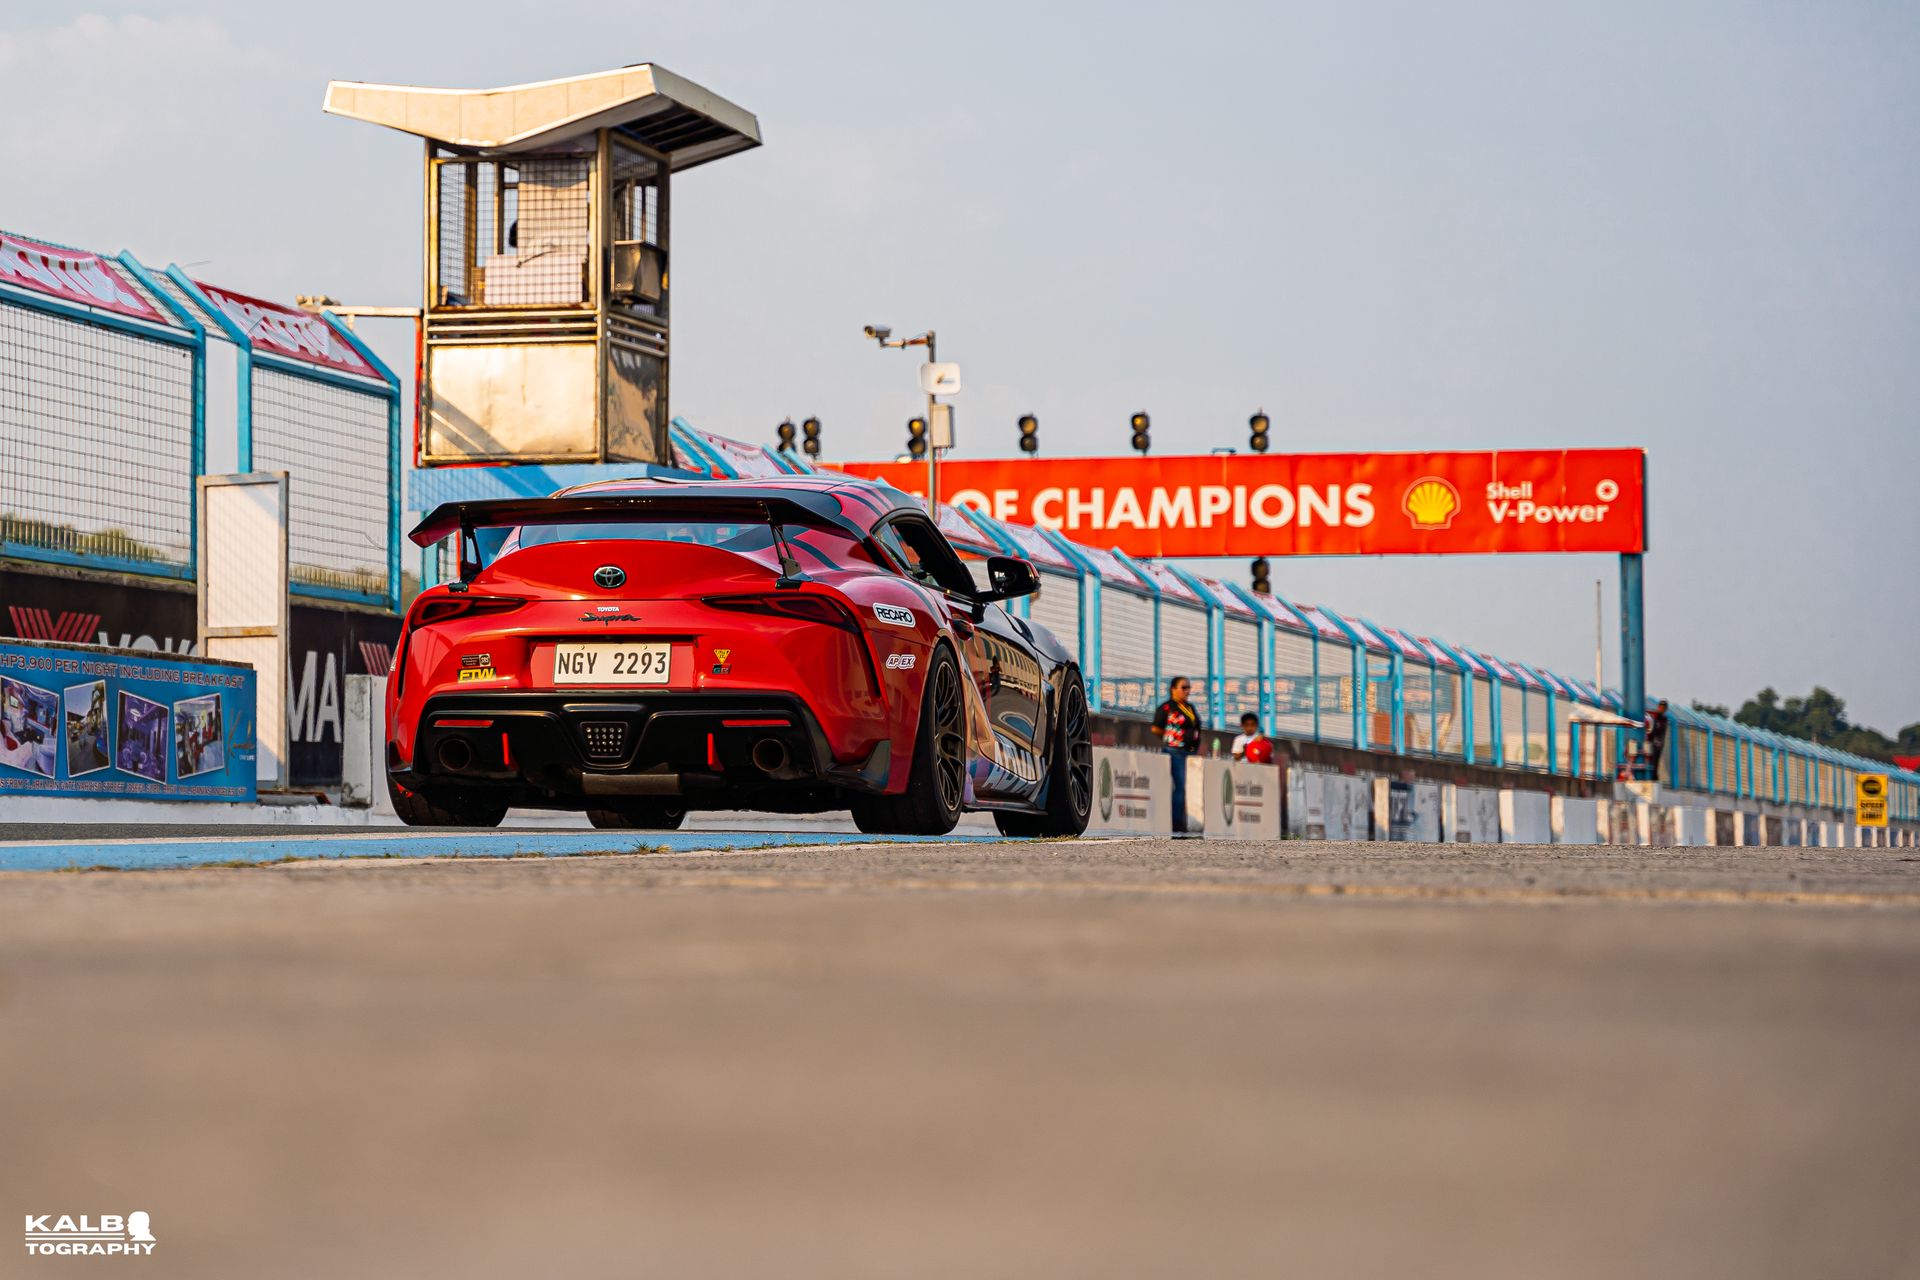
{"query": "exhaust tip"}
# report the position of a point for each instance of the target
(454, 755)
(770, 755)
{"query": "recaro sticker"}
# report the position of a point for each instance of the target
(895, 615)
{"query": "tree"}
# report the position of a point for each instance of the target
(1712, 709)
(1762, 710)
(1819, 717)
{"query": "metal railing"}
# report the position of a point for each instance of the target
(1297, 668)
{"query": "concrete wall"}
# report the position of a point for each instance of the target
(1406, 810)
(1330, 806)
(1525, 818)
(1471, 814)
(1576, 820)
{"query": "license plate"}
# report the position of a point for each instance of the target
(611, 662)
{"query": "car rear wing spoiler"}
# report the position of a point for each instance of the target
(703, 502)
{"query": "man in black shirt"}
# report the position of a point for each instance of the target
(1656, 738)
(1178, 725)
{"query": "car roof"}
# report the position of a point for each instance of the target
(861, 502)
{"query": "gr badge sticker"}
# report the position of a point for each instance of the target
(894, 615)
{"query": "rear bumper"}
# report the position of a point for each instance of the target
(565, 748)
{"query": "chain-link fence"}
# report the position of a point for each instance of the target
(333, 443)
(96, 443)
(107, 417)
(517, 234)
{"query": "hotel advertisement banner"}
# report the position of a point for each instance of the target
(109, 723)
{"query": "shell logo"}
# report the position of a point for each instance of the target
(1431, 503)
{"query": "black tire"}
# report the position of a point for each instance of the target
(1069, 771)
(445, 808)
(640, 815)
(937, 777)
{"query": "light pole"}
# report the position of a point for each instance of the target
(883, 334)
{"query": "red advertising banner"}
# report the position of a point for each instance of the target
(289, 331)
(1327, 504)
(71, 275)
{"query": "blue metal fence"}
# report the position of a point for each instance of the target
(1314, 675)
(104, 427)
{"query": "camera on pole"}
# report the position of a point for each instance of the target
(917, 437)
(1029, 433)
(1262, 585)
(1257, 431)
(1140, 423)
(811, 430)
(786, 436)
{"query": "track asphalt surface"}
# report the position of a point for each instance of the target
(1062, 1059)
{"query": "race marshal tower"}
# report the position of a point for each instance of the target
(546, 322)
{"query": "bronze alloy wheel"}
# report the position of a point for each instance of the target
(1068, 800)
(1077, 738)
(950, 741)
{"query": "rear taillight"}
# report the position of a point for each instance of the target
(434, 609)
(808, 608)
(428, 610)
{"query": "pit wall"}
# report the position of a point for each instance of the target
(1233, 800)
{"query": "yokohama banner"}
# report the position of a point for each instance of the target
(1310, 504)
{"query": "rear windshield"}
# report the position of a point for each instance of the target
(814, 548)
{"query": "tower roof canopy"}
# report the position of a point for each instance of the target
(650, 104)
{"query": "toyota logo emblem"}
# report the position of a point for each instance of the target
(610, 576)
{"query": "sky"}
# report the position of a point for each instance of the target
(1684, 225)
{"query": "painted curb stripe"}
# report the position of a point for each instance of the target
(142, 854)
(1307, 889)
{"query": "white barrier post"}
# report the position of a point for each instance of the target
(1132, 791)
(1241, 801)
(364, 752)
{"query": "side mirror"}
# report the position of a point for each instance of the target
(1010, 577)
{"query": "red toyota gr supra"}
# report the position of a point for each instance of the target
(638, 649)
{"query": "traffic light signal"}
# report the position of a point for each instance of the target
(1257, 431)
(1140, 423)
(786, 436)
(811, 430)
(1029, 433)
(1262, 585)
(917, 437)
